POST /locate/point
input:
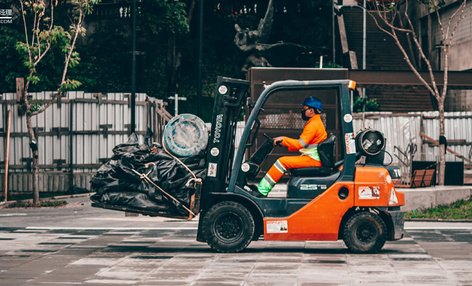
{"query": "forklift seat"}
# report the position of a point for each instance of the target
(326, 150)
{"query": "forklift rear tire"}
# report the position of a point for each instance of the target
(228, 227)
(365, 232)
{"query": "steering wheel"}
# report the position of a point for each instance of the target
(270, 139)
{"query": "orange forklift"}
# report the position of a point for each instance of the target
(343, 199)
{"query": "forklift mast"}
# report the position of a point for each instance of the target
(230, 96)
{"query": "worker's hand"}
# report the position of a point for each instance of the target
(278, 140)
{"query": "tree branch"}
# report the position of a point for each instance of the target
(26, 32)
(48, 40)
(68, 56)
(382, 15)
(434, 90)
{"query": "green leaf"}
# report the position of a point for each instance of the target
(33, 79)
(70, 84)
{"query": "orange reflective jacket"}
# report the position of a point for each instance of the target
(313, 133)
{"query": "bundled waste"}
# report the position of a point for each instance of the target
(148, 180)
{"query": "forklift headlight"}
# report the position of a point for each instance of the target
(352, 84)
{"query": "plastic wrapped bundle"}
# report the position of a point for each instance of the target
(149, 181)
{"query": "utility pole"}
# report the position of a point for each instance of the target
(176, 98)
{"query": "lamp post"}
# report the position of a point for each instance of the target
(133, 71)
(364, 35)
(333, 31)
(200, 60)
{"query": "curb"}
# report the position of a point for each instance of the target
(437, 220)
(64, 197)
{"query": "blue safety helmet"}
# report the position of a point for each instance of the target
(313, 102)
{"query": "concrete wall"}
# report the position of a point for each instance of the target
(423, 198)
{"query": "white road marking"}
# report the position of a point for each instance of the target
(437, 227)
(14, 214)
(110, 228)
(142, 218)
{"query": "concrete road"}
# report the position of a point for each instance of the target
(80, 245)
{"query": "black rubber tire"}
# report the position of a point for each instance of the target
(365, 232)
(228, 227)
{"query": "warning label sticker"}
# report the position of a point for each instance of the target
(369, 193)
(212, 169)
(350, 143)
(277, 226)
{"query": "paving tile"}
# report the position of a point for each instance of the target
(163, 283)
(166, 275)
(97, 261)
(13, 281)
(124, 273)
(109, 282)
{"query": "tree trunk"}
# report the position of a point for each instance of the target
(35, 162)
(442, 147)
(35, 178)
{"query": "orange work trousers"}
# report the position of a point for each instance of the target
(281, 166)
(291, 162)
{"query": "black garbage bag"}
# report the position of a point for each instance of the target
(120, 181)
(74, 190)
(105, 175)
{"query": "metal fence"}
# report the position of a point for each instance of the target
(405, 144)
(75, 136)
(404, 129)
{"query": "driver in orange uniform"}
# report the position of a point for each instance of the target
(313, 133)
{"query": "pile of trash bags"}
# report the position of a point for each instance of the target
(140, 177)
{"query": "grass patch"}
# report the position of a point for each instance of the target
(459, 210)
(29, 204)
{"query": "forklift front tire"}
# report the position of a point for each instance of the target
(365, 232)
(228, 227)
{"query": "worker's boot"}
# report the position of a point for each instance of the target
(255, 192)
(264, 187)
